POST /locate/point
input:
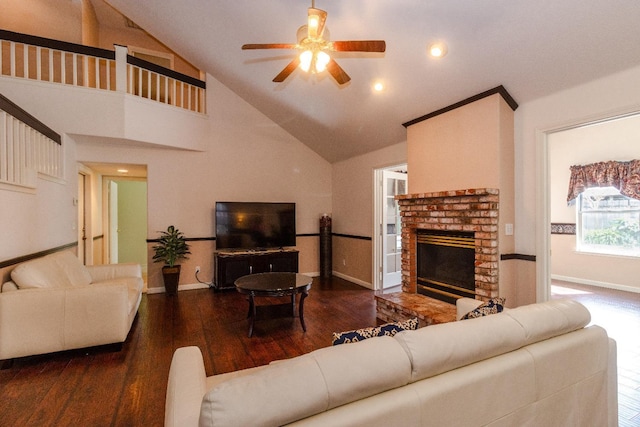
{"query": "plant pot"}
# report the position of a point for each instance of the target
(171, 277)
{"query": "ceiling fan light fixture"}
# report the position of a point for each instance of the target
(437, 49)
(305, 60)
(322, 59)
(315, 22)
(314, 49)
(313, 25)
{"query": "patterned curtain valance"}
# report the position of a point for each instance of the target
(625, 176)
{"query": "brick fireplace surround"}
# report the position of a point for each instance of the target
(471, 210)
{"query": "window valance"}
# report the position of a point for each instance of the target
(625, 176)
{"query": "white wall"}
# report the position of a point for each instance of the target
(248, 157)
(37, 17)
(353, 188)
(46, 219)
(353, 211)
(599, 99)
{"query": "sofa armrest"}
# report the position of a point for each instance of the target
(96, 314)
(100, 273)
(186, 388)
(465, 305)
(32, 322)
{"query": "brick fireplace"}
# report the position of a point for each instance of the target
(467, 147)
(472, 211)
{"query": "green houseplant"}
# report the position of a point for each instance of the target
(172, 247)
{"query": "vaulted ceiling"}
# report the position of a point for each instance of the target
(532, 48)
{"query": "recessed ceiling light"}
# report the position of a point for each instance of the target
(437, 49)
(378, 86)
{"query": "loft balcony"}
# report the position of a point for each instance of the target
(97, 92)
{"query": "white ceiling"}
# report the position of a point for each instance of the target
(532, 48)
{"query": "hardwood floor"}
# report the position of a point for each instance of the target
(99, 387)
(619, 313)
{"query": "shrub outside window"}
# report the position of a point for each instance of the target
(608, 222)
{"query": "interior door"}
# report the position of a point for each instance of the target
(393, 183)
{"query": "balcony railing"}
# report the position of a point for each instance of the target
(53, 61)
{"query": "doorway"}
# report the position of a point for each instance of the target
(118, 208)
(604, 139)
(127, 219)
(388, 183)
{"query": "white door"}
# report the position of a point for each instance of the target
(393, 183)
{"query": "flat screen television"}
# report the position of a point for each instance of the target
(255, 225)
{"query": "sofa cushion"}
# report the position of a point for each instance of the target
(55, 270)
(306, 385)
(440, 348)
(389, 329)
(493, 306)
(71, 266)
(276, 395)
(549, 319)
(9, 286)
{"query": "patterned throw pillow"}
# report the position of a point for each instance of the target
(493, 306)
(389, 329)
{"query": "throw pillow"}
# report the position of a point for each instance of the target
(493, 306)
(389, 329)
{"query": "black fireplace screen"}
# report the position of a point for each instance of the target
(446, 264)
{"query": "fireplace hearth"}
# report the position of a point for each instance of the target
(446, 265)
(470, 215)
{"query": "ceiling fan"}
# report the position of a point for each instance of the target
(315, 50)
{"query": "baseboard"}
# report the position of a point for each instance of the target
(189, 287)
(354, 280)
(186, 287)
(596, 283)
(312, 274)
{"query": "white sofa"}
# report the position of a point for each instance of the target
(55, 303)
(536, 365)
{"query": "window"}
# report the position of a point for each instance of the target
(608, 222)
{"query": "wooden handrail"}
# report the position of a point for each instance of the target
(57, 44)
(17, 112)
(92, 67)
(165, 71)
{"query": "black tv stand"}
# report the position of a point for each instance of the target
(230, 265)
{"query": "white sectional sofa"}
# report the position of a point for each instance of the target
(536, 365)
(55, 303)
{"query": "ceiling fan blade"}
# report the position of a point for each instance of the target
(359, 46)
(315, 22)
(269, 46)
(290, 68)
(337, 72)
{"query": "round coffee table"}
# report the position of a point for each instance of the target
(275, 285)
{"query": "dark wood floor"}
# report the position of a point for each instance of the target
(619, 313)
(98, 387)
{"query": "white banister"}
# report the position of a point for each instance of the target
(121, 68)
(97, 68)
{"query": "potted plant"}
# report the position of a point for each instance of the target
(172, 246)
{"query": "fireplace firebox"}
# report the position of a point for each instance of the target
(445, 264)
